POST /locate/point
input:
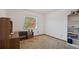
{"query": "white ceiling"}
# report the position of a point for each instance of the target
(42, 10)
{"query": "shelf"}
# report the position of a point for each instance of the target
(73, 45)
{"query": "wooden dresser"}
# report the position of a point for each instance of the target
(6, 42)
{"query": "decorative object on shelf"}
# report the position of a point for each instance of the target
(75, 12)
(78, 11)
(70, 40)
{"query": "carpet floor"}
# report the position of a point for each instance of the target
(43, 42)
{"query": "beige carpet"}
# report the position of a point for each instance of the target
(43, 42)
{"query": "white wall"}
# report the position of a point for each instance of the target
(2, 12)
(17, 16)
(56, 24)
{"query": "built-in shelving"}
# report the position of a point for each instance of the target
(73, 28)
(73, 45)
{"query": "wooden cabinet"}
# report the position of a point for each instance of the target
(5, 31)
(14, 43)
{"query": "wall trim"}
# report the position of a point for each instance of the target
(56, 38)
(39, 35)
(51, 37)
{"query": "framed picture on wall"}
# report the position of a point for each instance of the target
(30, 23)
